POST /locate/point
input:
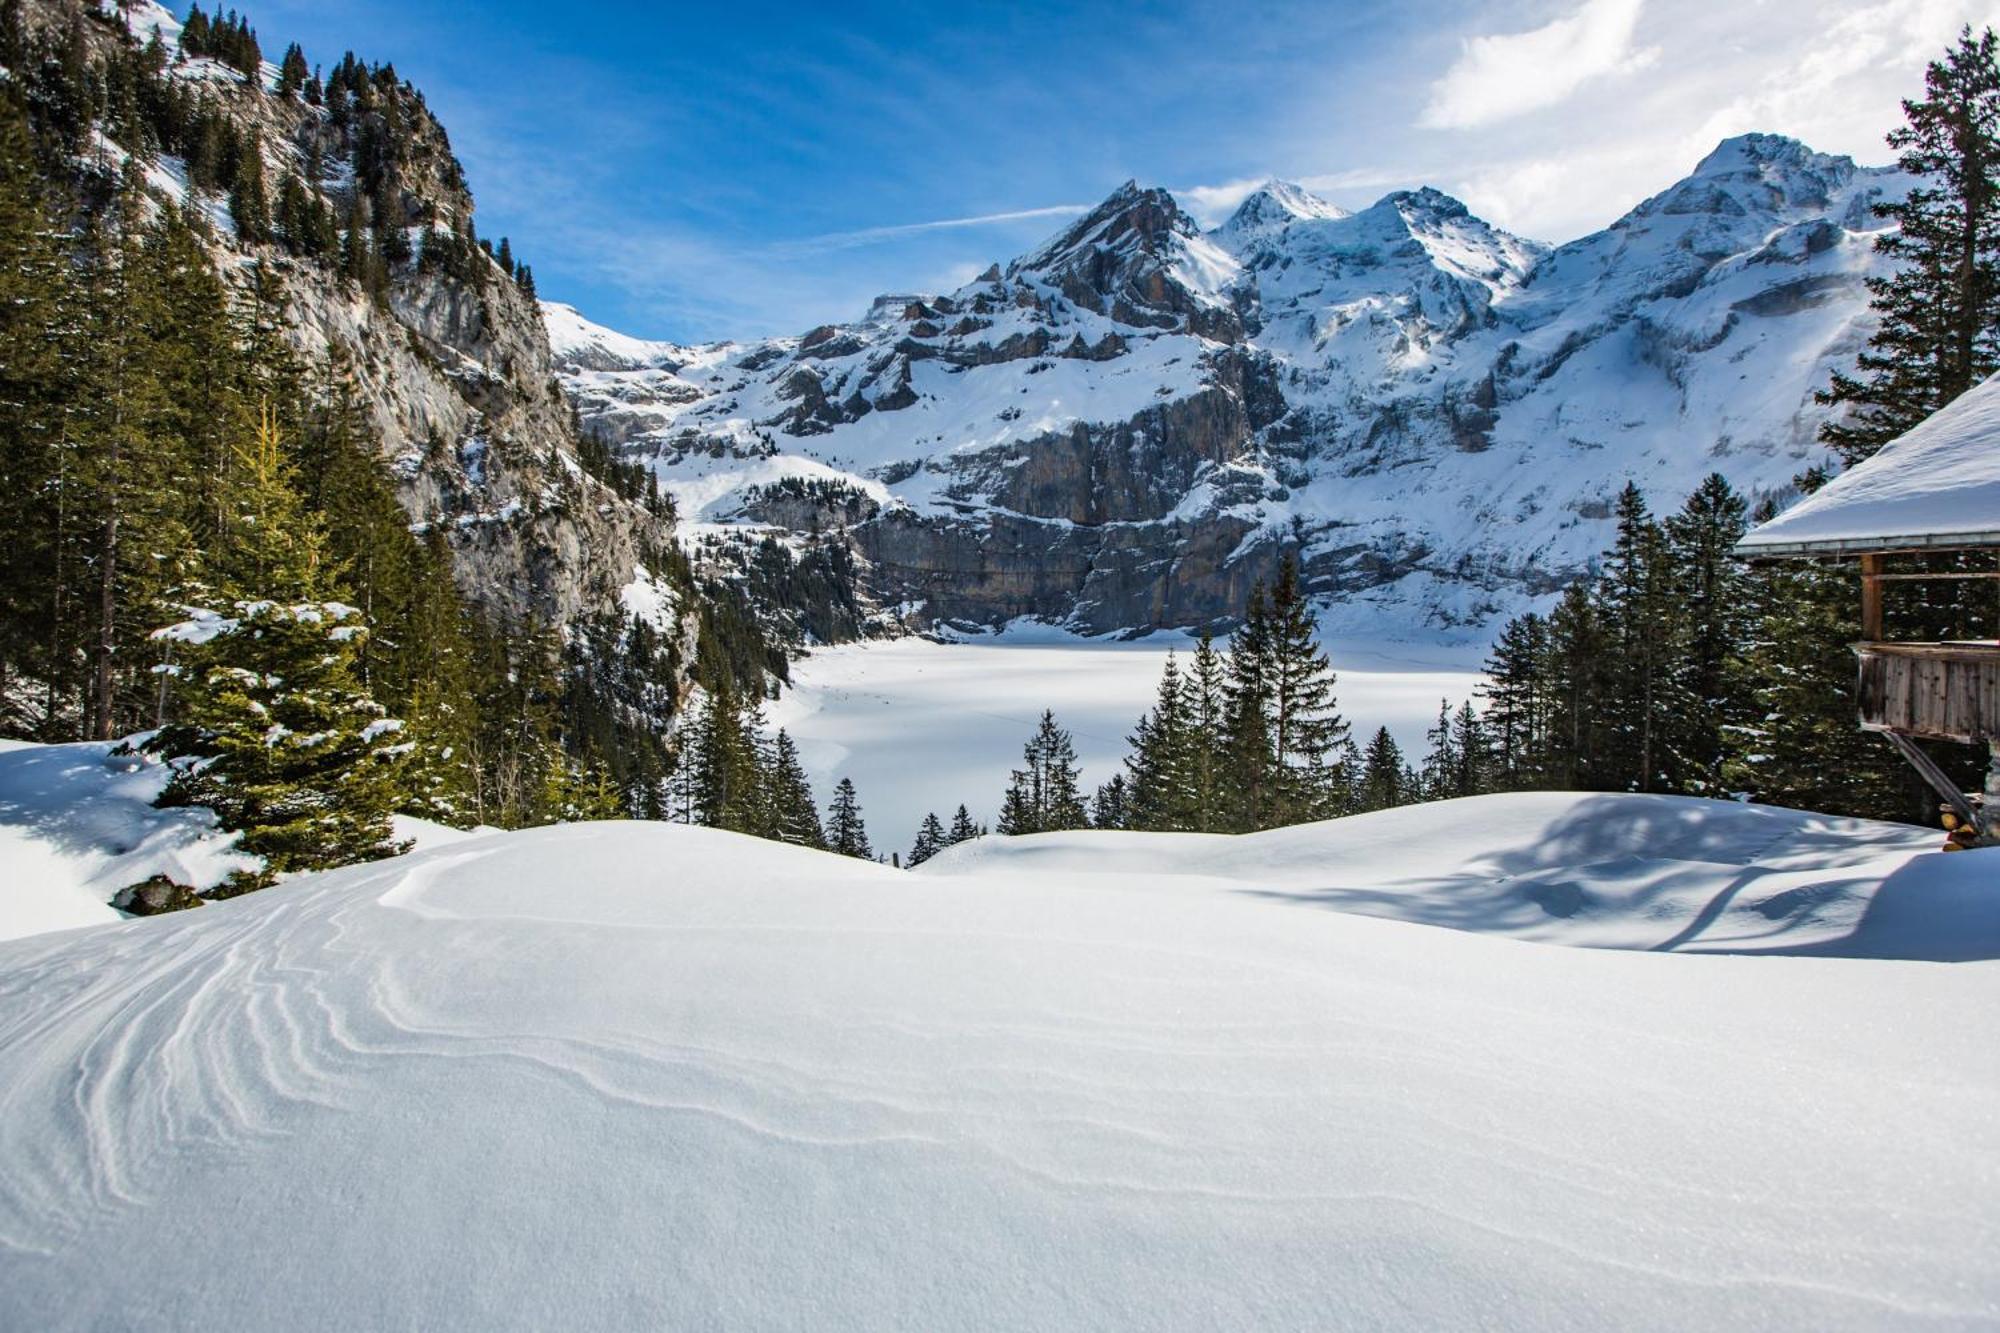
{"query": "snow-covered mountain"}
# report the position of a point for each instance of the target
(1128, 425)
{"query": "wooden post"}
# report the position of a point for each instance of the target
(1871, 598)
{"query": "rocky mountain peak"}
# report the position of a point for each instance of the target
(1427, 202)
(1270, 208)
(1138, 258)
(1756, 175)
(1132, 220)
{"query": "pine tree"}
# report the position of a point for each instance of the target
(1439, 776)
(1109, 805)
(1384, 775)
(1578, 653)
(846, 833)
(1307, 731)
(931, 840)
(1518, 706)
(36, 468)
(963, 829)
(132, 464)
(1709, 597)
(1642, 624)
(1042, 796)
(249, 202)
(576, 790)
(794, 817)
(292, 72)
(724, 758)
(1249, 788)
(1938, 306)
(1205, 708)
(1471, 757)
(1160, 795)
(278, 736)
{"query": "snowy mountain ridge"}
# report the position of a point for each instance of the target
(1130, 423)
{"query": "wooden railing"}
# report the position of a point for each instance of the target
(1937, 691)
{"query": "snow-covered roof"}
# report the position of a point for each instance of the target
(1936, 486)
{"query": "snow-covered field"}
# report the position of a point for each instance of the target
(629, 1075)
(921, 726)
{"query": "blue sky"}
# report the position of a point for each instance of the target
(700, 171)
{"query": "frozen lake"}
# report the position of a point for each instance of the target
(921, 726)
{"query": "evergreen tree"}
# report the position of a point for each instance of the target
(249, 203)
(1160, 796)
(292, 72)
(1641, 621)
(576, 790)
(724, 757)
(1042, 796)
(1307, 731)
(1471, 758)
(1578, 655)
(1250, 796)
(1109, 806)
(1205, 710)
(131, 465)
(1439, 776)
(1518, 707)
(931, 839)
(37, 467)
(846, 834)
(1384, 775)
(1938, 306)
(963, 829)
(1710, 602)
(278, 736)
(794, 816)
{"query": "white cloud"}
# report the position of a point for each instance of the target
(1505, 75)
(847, 240)
(1834, 83)
(1210, 204)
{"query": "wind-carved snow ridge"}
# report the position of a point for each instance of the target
(1129, 424)
(1145, 1080)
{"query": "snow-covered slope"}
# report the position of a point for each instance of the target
(77, 827)
(618, 1076)
(1129, 424)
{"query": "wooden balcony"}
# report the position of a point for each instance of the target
(1933, 691)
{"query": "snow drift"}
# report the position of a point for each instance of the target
(631, 1075)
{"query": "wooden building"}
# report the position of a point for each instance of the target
(1935, 489)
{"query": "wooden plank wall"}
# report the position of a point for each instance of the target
(1938, 691)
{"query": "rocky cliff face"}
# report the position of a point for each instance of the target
(1127, 426)
(451, 361)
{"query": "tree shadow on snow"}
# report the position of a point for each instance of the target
(1679, 874)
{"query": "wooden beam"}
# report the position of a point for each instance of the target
(1871, 598)
(1933, 775)
(1936, 578)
